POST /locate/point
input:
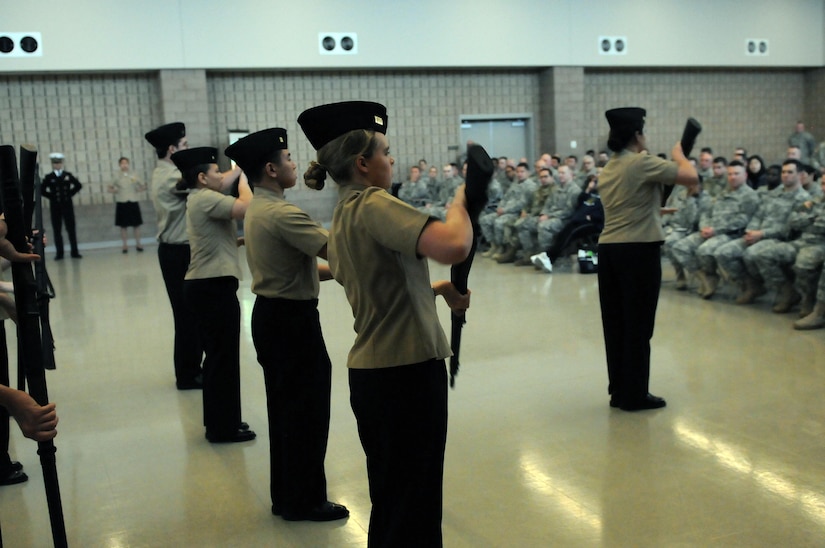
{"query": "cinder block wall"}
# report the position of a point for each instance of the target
(96, 118)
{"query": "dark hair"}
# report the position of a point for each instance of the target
(161, 151)
(189, 177)
(524, 165)
(620, 137)
(556, 157)
(255, 172)
(720, 160)
(706, 149)
(761, 163)
(573, 156)
(337, 158)
(736, 163)
(122, 158)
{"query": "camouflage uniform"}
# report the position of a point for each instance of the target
(715, 186)
(517, 197)
(685, 221)
(416, 194)
(446, 191)
(809, 251)
(529, 223)
(772, 218)
(559, 207)
(728, 216)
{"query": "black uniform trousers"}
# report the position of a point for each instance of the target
(63, 212)
(629, 278)
(188, 353)
(214, 304)
(297, 374)
(402, 422)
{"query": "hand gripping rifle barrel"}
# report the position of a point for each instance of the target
(479, 173)
(28, 327)
(692, 130)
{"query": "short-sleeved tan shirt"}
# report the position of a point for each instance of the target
(372, 253)
(282, 243)
(630, 187)
(213, 236)
(126, 186)
(170, 204)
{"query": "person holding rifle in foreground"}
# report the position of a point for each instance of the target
(630, 267)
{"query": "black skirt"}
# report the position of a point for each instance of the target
(127, 214)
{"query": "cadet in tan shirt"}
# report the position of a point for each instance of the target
(630, 268)
(210, 288)
(378, 249)
(282, 246)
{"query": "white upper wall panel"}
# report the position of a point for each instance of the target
(263, 34)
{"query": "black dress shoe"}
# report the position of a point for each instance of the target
(194, 384)
(614, 402)
(236, 437)
(648, 402)
(243, 426)
(58, 257)
(14, 477)
(16, 466)
(328, 511)
(77, 256)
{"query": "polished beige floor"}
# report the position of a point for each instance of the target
(535, 457)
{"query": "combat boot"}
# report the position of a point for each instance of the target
(703, 283)
(786, 298)
(711, 283)
(681, 280)
(806, 306)
(507, 256)
(814, 320)
(751, 289)
(495, 248)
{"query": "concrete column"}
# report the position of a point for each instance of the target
(184, 98)
(562, 111)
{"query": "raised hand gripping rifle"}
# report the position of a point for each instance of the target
(692, 130)
(479, 173)
(29, 347)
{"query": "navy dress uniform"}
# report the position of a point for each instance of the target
(59, 186)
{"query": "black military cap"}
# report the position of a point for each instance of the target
(189, 158)
(324, 123)
(166, 135)
(632, 118)
(250, 151)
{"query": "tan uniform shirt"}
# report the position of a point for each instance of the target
(126, 187)
(170, 204)
(213, 237)
(282, 244)
(372, 253)
(631, 190)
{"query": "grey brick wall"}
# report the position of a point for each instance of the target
(96, 118)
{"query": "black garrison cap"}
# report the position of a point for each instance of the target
(632, 118)
(186, 159)
(251, 151)
(166, 135)
(324, 123)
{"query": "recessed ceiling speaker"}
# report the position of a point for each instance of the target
(612, 45)
(21, 44)
(337, 43)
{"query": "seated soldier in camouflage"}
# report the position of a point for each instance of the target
(556, 212)
(745, 260)
(414, 190)
(529, 219)
(680, 218)
(726, 220)
(515, 199)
